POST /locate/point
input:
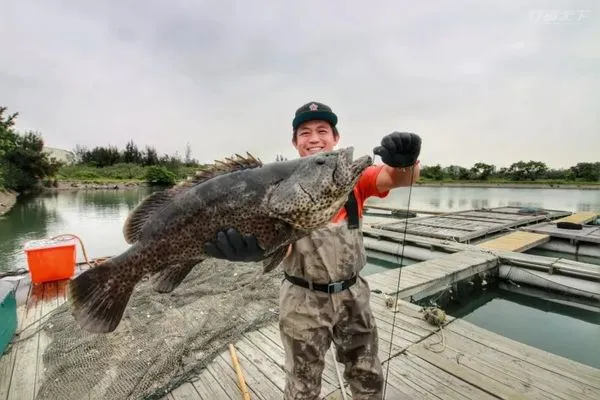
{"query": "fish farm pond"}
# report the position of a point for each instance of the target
(560, 327)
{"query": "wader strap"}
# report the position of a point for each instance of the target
(352, 211)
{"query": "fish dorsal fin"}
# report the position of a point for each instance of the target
(230, 164)
(148, 206)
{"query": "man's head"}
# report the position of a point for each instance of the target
(314, 128)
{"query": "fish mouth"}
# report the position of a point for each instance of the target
(347, 170)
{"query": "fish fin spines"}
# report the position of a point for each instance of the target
(169, 278)
(221, 167)
(98, 299)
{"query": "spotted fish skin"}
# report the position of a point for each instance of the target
(278, 203)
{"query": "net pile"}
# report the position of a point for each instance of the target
(163, 339)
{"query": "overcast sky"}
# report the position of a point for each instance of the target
(478, 80)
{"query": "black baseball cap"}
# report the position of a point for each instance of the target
(312, 111)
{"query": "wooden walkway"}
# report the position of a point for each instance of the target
(475, 364)
(516, 241)
(582, 217)
(464, 226)
(554, 264)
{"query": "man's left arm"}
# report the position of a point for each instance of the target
(399, 151)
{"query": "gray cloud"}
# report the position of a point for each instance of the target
(478, 82)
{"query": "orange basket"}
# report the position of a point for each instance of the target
(50, 260)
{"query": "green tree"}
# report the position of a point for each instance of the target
(131, 154)
(586, 171)
(482, 171)
(8, 139)
(27, 164)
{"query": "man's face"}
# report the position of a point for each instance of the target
(314, 137)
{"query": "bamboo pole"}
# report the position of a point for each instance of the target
(238, 371)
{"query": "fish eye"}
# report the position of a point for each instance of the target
(320, 160)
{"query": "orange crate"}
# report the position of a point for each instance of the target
(50, 260)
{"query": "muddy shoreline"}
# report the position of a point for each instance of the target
(8, 199)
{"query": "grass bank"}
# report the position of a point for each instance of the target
(116, 176)
(132, 175)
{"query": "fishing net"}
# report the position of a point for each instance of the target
(163, 339)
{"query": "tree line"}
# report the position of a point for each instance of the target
(25, 166)
(518, 171)
(23, 163)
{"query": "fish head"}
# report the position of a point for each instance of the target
(317, 188)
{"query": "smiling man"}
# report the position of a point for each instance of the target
(323, 298)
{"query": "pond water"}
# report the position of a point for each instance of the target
(97, 218)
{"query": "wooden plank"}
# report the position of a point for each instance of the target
(582, 217)
(570, 369)
(468, 263)
(48, 304)
(513, 371)
(516, 241)
(7, 361)
(208, 387)
(186, 391)
(450, 362)
(435, 381)
(22, 385)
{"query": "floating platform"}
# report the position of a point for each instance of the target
(464, 226)
(587, 233)
(516, 241)
(582, 217)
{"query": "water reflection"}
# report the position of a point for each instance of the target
(98, 216)
(29, 219)
(462, 198)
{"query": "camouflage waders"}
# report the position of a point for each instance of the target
(310, 319)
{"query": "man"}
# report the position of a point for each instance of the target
(323, 299)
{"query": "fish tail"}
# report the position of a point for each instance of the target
(98, 296)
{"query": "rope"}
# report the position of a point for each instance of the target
(67, 236)
(401, 261)
(435, 317)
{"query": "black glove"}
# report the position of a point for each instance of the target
(399, 149)
(231, 245)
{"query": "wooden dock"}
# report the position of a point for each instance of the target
(582, 217)
(464, 226)
(475, 364)
(516, 241)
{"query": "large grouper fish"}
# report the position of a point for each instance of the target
(278, 202)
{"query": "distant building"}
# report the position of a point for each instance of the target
(61, 155)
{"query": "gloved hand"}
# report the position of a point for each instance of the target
(231, 245)
(399, 149)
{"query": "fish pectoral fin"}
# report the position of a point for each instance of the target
(98, 297)
(274, 260)
(132, 227)
(169, 278)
